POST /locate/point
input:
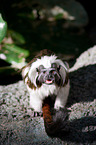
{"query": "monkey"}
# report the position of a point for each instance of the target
(46, 78)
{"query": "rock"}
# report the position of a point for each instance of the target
(85, 59)
(71, 11)
(19, 126)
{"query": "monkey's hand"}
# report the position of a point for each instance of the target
(36, 114)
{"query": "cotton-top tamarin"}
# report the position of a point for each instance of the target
(46, 78)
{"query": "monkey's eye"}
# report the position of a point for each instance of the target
(52, 71)
(41, 67)
(44, 72)
(53, 65)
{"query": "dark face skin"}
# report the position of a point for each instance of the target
(49, 75)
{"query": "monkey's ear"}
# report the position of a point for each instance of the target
(54, 65)
(37, 69)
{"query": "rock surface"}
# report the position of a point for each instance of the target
(18, 126)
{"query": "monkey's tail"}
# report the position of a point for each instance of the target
(54, 121)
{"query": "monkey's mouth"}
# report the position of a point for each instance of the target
(49, 82)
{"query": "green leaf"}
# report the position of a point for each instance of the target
(3, 28)
(17, 37)
(13, 54)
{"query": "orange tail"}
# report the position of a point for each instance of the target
(47, 116)
(54, 120)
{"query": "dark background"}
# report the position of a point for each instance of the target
(40, 34)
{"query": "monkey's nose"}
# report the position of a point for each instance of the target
(49, 77)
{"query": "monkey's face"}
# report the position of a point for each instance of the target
(48, 75)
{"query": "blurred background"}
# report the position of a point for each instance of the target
(67, 27)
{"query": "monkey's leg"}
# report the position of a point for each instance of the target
(36, 103)
(58, 103)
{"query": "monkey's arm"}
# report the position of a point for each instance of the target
(36, 103)
(62, 97)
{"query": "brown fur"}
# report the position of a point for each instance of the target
(40, 54)
(30, 84)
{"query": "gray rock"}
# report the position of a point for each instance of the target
(19, 126)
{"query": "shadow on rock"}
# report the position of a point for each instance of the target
(81, 126)
(80, 131)
(83, 85)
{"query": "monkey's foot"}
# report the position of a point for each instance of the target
(36, 114)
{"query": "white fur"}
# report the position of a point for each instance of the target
(37, 96)
(25, 71)
(62, 96)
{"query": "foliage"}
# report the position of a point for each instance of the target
(3, 28)
(10, 52)
(14, 55)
